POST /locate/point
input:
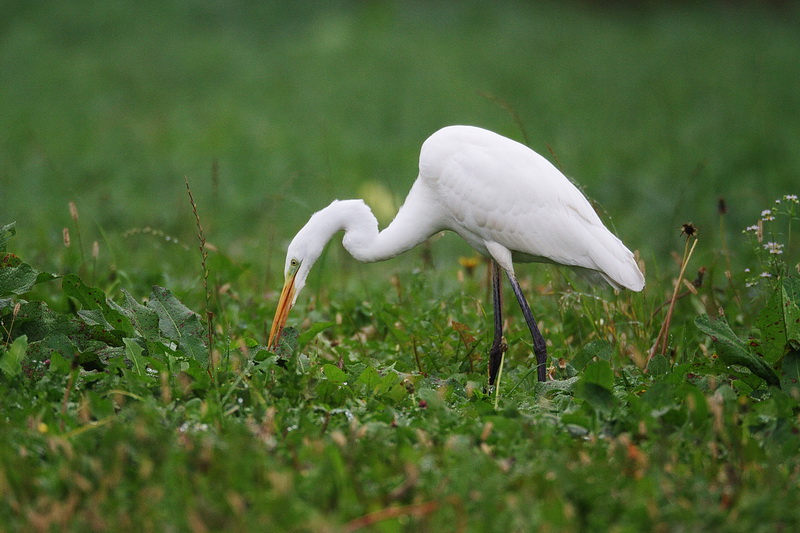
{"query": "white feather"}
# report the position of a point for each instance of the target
(504, 199)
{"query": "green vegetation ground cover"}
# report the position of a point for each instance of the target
(119, 413)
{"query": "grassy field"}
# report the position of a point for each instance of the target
(120, 409)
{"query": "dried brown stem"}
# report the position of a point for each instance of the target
(663, 334)
(416, 510)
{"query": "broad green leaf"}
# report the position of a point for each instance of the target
(660, 395)
(791, 292)
(53, 343)
(101, 405)
(369, 378)
(599, 373)
(432, 397)
(89, 297)
(50, 332)
(697, 405)
(790, 373)
(287, 343)
(7, 305)
(578, 418)
(145, 320)
(180, 324)
(658, 365)
(563, 385)
(331, 394)
(133, 351)
(388, 382)
(94, 298)
(733, 351)
(59, 364)
(39, 322)
(334, 374)
(669, 403)
(397, 391)
(11, 359)
(599, 398)
(595, 386)
(772, 325)
(308, 335)
(596, 349)
(17, 277)
(779, 321)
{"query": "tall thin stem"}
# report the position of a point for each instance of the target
(203, 258)
(663, 334)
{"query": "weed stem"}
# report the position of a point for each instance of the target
(499, 378)
(663, 334)
(203, 258)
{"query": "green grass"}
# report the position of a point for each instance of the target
(379, 418)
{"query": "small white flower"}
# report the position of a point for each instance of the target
(754, 227)
(747, 270)
(766, 212)
(775, 248)
(766, 275)
(791, 198)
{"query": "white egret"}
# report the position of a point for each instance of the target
(504, 199)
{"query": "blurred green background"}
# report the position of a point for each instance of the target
(272, 109)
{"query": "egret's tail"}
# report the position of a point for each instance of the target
(623, 272)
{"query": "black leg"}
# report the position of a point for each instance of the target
(498, 345)
(539, 346)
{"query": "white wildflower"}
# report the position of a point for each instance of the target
(791, 198)
(754, 227)
(774, 248)
(192, 426)
(766, 275)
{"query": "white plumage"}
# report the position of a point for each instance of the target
(504, 199)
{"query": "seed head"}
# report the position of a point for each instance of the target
(689, 229)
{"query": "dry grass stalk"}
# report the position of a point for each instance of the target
(661, 341)
(203, 258)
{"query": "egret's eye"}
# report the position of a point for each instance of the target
(293, 263)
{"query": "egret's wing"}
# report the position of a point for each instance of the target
(500, 191)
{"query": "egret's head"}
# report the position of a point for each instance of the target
(303, 252)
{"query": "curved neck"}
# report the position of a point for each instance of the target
(413, 224)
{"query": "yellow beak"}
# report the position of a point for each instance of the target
(282, 312)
